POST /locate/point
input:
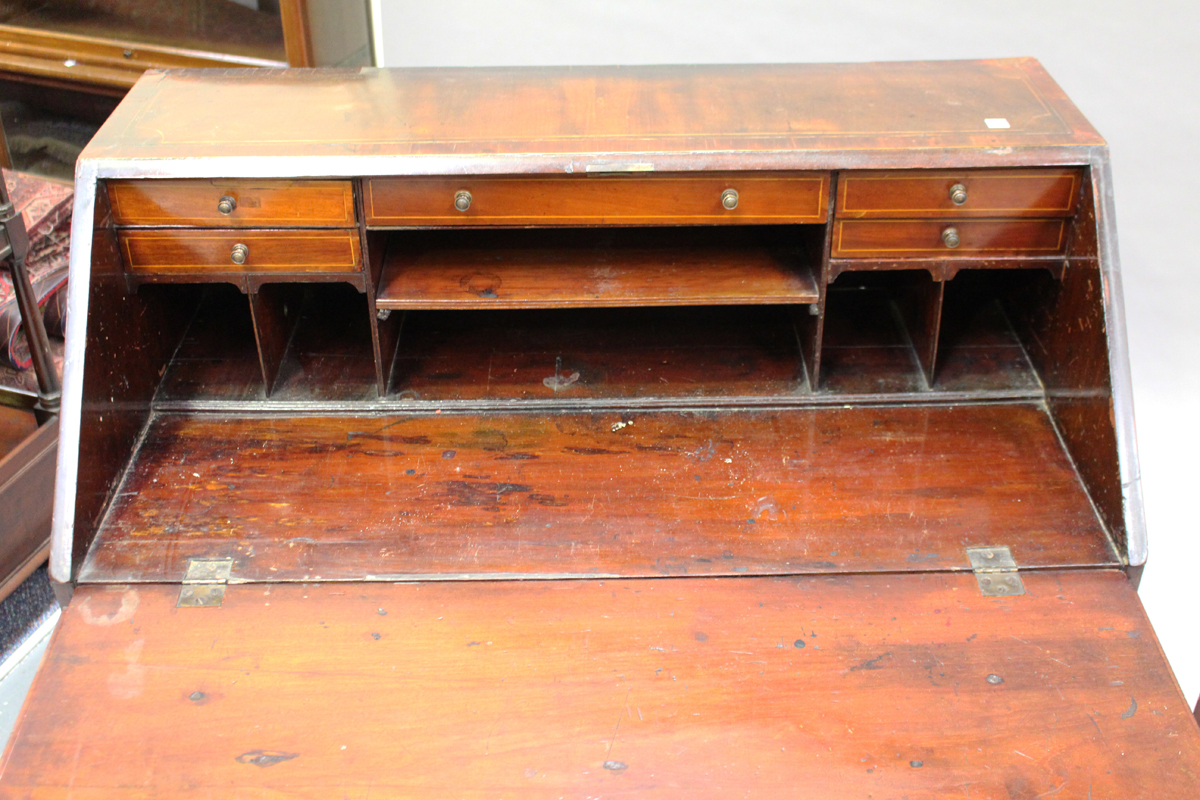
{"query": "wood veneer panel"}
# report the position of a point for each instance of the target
(259, 204)
(773, 198)
(591, 269)
(990, 193)
(665, 493)
(846, 686)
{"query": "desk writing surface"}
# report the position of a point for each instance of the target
(594, 110)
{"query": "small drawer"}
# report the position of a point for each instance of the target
(948, 238)
(966, 193)
(667, 199)
(176, 252)
(233, 204)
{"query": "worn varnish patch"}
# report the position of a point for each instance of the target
(696, 493)
(590, 688)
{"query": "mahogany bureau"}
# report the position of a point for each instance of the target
(685, 432)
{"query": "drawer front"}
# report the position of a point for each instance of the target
(982, 193)
(931, 238)
(173, 252)
(593, 200)
(233, 204)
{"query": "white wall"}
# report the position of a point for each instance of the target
(1134, 70)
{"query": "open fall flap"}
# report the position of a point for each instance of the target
(816, 686)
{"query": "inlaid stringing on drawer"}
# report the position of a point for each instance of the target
(962, 193)
(948, 238)
(170, 252)
(233, 203)
(641, 199)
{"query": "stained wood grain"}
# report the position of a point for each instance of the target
(667, 493)
(839, 686)
(594, 269)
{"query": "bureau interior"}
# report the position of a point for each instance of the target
(602, 400)
(607, 315)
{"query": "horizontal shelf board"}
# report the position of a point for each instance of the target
(632, 494)
(843, 686)
(581, 269)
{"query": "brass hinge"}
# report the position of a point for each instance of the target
(996, 571)
(205, 581)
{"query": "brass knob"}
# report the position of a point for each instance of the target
(729, 199)
(226, 205)
(462, 200)
(958, 194)
(239, 254)
(950, 237)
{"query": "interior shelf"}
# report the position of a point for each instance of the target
(553, 494)
(584, 268)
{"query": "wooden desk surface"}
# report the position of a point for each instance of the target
(481, 115)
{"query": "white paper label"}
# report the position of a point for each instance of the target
(998, 122)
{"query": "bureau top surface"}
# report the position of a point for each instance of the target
(571, 118)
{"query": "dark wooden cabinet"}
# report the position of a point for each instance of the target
(665, 431)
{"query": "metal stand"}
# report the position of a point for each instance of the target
(16, 245)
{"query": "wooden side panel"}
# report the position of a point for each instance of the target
(660, 493)
(130, 340)
(785, 197)
(987, 193)
(839, 686)
(990, 237)
(256, 204)
(1063, 328)
(173, 252)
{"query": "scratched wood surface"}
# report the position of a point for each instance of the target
(739, 111)
(822, 686)
(665, 493)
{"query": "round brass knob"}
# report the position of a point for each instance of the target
(958, 194)
(729, 199)
(239, 254)
(226, 205)
(950, 237)
(462, 200)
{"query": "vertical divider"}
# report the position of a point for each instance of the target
(920, 304)
(385, 331)
(272, 328)
(385, 324)
(810, 322)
